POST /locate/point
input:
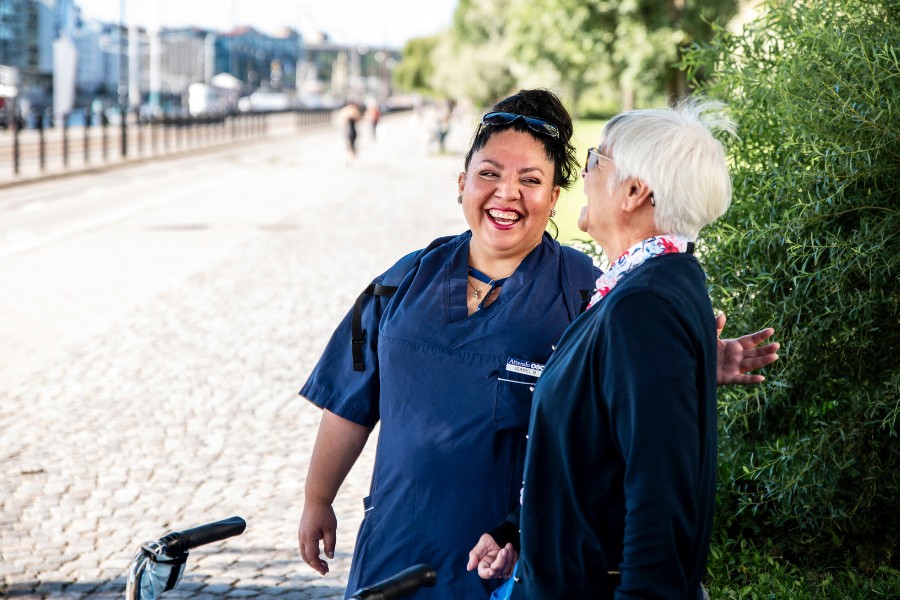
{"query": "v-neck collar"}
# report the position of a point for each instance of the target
(456, 280)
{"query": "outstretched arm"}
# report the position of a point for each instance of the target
(737, 357)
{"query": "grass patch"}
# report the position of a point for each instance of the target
(738, 570)
(587, 134)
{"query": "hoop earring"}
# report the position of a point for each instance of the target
(552, 212)
(459, 199)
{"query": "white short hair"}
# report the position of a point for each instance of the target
(674, 152)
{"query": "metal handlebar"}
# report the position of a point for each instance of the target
(401, 584)
(158, 566)
(180, 541)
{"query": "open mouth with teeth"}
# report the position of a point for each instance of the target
(503, 218)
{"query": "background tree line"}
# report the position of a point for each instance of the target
(600, 55)
(809, 478)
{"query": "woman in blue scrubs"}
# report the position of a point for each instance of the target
(447, 362)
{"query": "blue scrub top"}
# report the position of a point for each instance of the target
(453, 395)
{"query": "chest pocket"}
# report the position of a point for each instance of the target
(516, 377)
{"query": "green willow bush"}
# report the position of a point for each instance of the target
(810, 460)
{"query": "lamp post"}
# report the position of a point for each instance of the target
(123, 79)
(155, 60)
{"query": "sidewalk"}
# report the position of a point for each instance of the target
(181, 408)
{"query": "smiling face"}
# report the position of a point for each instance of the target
(508, 193)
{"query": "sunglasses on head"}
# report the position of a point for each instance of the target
(533, 123)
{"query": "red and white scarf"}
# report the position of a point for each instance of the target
(635, 256)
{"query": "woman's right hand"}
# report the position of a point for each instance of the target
(317, 523)
(338, 444)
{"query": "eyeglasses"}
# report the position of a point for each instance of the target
(533, 123)
(593, 157)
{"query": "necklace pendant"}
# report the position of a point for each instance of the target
(475, 294)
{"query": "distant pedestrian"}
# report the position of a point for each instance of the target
(350, 114)
(374, 115)
(443, 118)
(442, 125)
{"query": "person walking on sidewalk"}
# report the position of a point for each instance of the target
(350, 116)
(373, 112)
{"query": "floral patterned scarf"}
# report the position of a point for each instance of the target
(637, 255)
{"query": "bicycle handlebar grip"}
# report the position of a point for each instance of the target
(401, 584)
(182, 541)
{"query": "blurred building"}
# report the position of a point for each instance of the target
(100, 49)
(260, 60)
(169, 61)
(183, 60)
(27, 31)
(357, 73)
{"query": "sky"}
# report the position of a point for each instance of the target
(386, 22)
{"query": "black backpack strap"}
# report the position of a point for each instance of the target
(394, 275)
(359, 334)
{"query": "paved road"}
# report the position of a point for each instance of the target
(157, 321)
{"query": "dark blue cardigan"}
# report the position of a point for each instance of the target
(621, 465)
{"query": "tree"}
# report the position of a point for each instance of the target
(468, 71)
(650, 37)
(474, 60)
(580, 47)
(811, 246)
(671, 27)
(572, 38)
(414, 72)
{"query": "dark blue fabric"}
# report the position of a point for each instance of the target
(452, 415)
(621, 464)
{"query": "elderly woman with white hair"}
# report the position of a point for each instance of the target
(620, 471)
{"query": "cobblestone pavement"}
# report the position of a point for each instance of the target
(182, 408)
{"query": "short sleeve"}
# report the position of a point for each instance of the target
(333, 384)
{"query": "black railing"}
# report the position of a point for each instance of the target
(43, 148)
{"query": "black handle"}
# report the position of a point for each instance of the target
(401, 584)
(182, 541)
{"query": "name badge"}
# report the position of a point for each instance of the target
(525, 367)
